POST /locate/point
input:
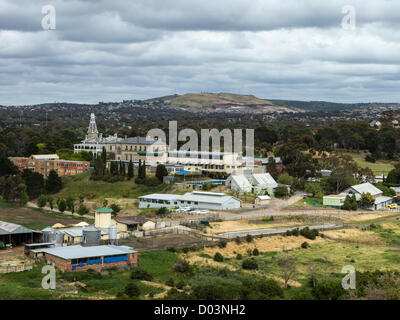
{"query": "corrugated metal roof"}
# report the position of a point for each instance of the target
(264, 197)
(241, 181)
(264, 179)
(77, 252)
(12, 228)
(131, 220)
(45, 156)
(160, 196)
(366, 188)
(382, 199)
(207, 197)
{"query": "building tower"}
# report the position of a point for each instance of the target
(92, 130)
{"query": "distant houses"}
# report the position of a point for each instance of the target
(337, 201)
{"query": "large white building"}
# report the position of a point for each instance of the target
(196, 199)
(157, 152)
(251, 182)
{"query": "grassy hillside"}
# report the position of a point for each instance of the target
(98, 190)
(378, 168)
(196, 100)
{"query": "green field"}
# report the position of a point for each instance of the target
(378, 168)
(36, 219)
(81, 185)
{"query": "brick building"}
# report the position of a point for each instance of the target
(46, 162)
(78, 258)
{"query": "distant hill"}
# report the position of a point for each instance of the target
(222, 102)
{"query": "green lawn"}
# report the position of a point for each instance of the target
(307, 203)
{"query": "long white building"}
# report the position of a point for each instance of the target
(196, 199)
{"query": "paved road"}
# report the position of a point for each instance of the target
(259, 232)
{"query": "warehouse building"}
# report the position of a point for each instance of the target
(78, 258)
(15, 234)
(195, 199)
(158, 200)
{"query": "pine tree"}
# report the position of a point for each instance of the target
(140, 169)
(130, 170)
(122, 168)
(161, 172)
(144, 170)
(104, 155)
(54, 183)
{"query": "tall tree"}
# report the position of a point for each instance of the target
(34, 182)
(54, 183)
(130, 170)
(161, 172)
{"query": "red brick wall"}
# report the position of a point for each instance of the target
(66, 265)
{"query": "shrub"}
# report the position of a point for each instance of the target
(237, 240)
(170, 282)
(249, 264)
(249, 238)
(294, 232)
(370, 158)
(218, 257)
(305, 245)
(42, 201)
(182, 266)
(141, 274)
(83, 210)
(2, 246)
(269, 289)
(171, 249)
(132, 290)
(309, 233)
(162, 211)
(239, 256)
(328, 290)
(180, 285)
(151, 182)
(256, 252)
(222, 244)
(185, 250)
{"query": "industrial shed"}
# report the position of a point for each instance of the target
(16, 234)
(133, 223)
(78, 258)
(239, 183)
(157, 200)
(209, 200)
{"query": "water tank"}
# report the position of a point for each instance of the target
(53, 236)
(112, 233)
(91, 236)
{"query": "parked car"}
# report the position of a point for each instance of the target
(184, 209)
(200, 212)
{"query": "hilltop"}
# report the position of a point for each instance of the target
(223, 102)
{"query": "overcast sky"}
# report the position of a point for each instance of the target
(107, 50)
